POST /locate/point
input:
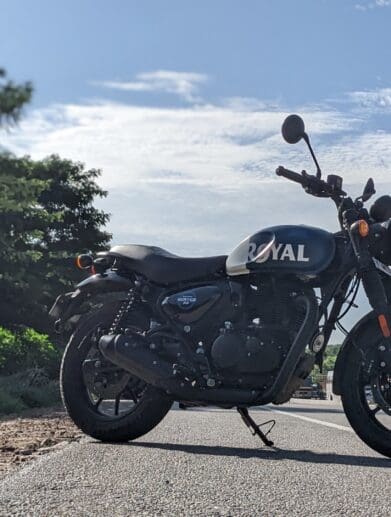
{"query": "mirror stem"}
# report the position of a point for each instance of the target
(307, 141)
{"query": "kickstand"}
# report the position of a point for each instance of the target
(254, 428)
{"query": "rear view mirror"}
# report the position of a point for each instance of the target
(293, 129)
(369, 190)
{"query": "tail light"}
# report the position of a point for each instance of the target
(84, 261)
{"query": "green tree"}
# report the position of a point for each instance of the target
(18, 202)
(74, 226)
(20, 220)
(47, 216)
(13, 97)
(42, 231)
(330, 357)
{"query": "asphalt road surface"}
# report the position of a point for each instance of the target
(205, 462)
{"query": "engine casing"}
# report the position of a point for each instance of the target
(247, 352)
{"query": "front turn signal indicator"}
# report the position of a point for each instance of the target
(84, 261)
(363, 228)
(383, 324)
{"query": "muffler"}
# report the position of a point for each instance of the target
(132, 354)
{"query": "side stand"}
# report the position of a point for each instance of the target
(254, 428)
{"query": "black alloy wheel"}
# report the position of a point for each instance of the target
(105, 401)
(366, 391)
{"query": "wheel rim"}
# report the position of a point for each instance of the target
(111, 391)
(375, 391)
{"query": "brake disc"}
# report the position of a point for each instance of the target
(104, 380)
(381, 391)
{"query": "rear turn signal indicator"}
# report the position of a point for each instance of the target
(384, 325)
(84, 261)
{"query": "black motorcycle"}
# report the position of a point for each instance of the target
(234, 331)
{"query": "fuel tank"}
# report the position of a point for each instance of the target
(283, 249)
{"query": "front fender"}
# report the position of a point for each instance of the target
(362, 325)
(67, 305)
(359, 328)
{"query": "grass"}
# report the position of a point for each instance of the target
(29, 389)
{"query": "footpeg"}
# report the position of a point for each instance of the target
(255, 428)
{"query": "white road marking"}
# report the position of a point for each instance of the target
(313, 420)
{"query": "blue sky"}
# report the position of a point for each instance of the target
(291, 51)
(180, 104)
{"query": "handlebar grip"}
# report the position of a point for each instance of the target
(290, 175)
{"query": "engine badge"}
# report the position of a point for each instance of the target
(186, 300)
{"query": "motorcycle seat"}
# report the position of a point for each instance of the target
(163, 267)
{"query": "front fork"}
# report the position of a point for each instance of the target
(370, 277)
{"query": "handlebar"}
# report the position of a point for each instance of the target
(314, 185)
(290, 175)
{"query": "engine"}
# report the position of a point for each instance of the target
(242, 332)
(249, 354)
(251, 351)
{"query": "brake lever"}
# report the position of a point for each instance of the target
(320, 188)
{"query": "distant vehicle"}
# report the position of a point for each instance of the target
(304, 392)
(310, 392)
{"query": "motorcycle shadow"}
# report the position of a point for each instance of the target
(274, 453)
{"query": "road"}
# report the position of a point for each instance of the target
(205, 462)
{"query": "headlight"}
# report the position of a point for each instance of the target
(381, 209)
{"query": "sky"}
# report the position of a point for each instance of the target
(180, 104)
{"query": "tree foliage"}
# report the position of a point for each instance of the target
(12, 98)
(47, 216)
(27, 349)
(332, 352)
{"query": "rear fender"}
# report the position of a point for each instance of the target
(69, 304)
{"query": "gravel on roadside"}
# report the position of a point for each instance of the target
(32, 433)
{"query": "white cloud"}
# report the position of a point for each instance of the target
(210, 145)
(374, 100)
(373, 5)
(198, 179)
(183, 84)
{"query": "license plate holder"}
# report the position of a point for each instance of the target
(60, 305)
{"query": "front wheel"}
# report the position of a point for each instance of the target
(103, 400)
(366, 392)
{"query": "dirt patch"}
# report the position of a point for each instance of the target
(33, 433)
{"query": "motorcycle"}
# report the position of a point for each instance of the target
(234, 331)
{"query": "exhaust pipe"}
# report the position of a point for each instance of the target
(131, 354)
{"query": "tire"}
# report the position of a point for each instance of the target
(149, 410)
(357, 411)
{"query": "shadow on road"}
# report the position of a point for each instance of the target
(269, 454)
(282, 408)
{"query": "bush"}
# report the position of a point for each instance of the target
(29, 389)
(27, 349)
(9, 403)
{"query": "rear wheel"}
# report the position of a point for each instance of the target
(103, 400)
(366, 392)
